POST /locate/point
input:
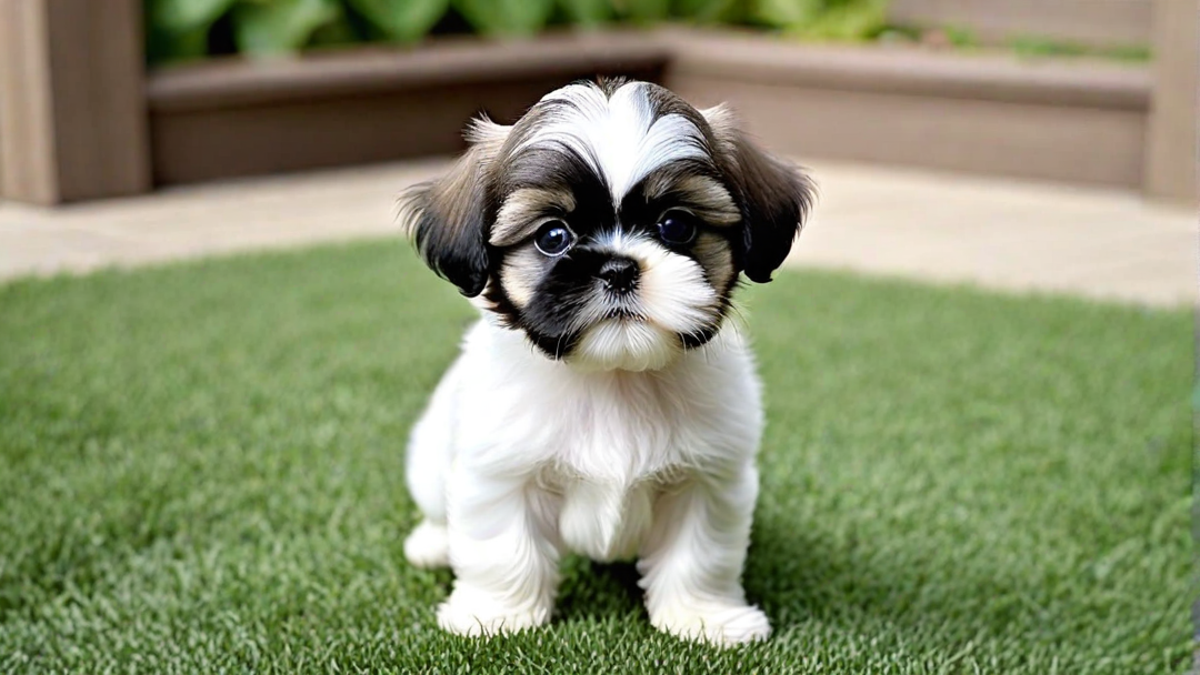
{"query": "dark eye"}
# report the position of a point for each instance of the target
(554, 238)
(677, 227)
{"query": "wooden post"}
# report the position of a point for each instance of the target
(73, 115)
(1171, 138)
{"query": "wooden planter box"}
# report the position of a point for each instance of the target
(230, 118)
(80, 119)
(1082, 123)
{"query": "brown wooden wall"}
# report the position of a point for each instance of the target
(81, 119)
(72, 105)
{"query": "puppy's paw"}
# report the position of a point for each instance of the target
(475, 614)
(723, 625)
(428, 546)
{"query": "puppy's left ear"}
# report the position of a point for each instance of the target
(774, 196)
(448, 219)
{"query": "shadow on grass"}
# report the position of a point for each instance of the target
(800, 579)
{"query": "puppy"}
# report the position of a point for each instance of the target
(603, 404)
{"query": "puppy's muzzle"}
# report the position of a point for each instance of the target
(620, 275)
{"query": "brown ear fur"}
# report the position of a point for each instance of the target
(448, 218)
(774, 196)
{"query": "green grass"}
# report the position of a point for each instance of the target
(200, 471)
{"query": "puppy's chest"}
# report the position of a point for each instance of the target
(620, 455)
(606, 514)
(624, 435)
(604, 519)
(625, 446)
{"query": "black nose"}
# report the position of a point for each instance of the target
(619, 274)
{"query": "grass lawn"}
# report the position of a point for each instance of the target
(200, 471)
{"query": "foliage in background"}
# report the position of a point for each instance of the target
(1032, 46)
(1024, 46)
(824, 19)
(189, 29)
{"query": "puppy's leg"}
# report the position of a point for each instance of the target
(430, 450)
(692, 561)
(506, 567)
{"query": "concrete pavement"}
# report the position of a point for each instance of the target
(945, 228)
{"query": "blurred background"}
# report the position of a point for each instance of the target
(1024, 143)
(200, 463)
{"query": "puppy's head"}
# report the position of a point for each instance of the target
(610, 223)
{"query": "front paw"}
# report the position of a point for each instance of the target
(474, 614)
(723, 625)
(428, 546)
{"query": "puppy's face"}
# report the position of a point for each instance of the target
(610, 223)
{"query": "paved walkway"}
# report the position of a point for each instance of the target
(994, 233)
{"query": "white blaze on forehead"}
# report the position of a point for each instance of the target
(618, 135)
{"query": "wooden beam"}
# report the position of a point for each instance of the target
(1171, 139)
(72, 104)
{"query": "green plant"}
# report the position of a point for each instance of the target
(403, 21)
(184, 29)
(961, 37)
(189, 29)
(1032, 46)
(643, 11)
(505, 17)
(587, 12)
(272, 26)
(709, 11)
(178, 29)
(823, 19)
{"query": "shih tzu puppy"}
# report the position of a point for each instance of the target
(603, 405)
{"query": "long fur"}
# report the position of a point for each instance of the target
(519, 458)
(614, 422)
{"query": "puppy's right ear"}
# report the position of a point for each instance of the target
(448, 218)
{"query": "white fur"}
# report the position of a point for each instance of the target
(617, 134)
(519, 459)
(673, 297)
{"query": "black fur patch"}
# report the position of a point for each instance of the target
(448, 231)
(775, 198)
(561, 169)
(552, 315)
